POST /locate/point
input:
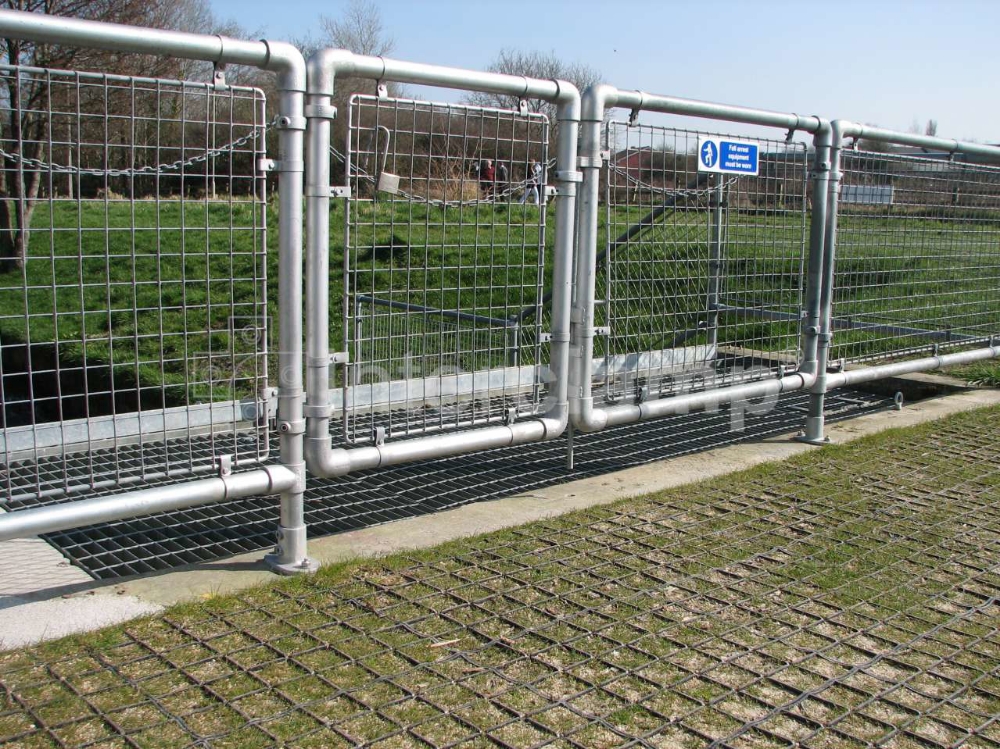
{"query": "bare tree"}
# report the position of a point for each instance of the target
(931, 128)
(23, 122)
(360, 30)
(535, 64)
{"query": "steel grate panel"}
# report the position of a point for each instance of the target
(161, 542)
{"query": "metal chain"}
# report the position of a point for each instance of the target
(174, 166)
(692, 193)
(512, 188)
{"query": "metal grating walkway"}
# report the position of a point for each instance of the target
(202, 534)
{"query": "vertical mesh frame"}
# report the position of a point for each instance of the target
(918, 256)
(445, 268)
(700, 279)
(134, 332)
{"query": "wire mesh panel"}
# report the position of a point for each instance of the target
(133, 299)
(700, 280)
(918, 255)
(445, 267)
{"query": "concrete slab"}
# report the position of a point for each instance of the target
(142, 595)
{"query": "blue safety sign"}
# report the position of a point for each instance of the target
(724, 156)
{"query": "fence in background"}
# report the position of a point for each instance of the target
(476, 276)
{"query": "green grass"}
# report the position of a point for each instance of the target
(681, 613)
(127, 292)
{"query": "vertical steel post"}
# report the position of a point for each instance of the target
(817, 328)
(715, 254)
(289, 555)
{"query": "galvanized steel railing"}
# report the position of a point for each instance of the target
(460, 321)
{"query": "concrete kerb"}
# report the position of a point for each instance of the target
(64, 613)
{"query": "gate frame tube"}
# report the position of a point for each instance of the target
(596, 101)
(841, 129)
(324, 67)
(287, 63)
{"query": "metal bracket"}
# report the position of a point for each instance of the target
(225, 465)
(270, 397)
(641, 393)
(781, 371)
(292, 427)
(382, 90)
(544, 337)
(550, 191)
(287, 122)
(321, 111)
(340, 357)
(378, 435)
(340, 191)
(219, 74)
(568, 176)
(897, 400)
(605, 330)
(271, 165)
(510, 415)
(633, 117)
(522, 107)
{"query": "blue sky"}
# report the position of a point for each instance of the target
(881, 62)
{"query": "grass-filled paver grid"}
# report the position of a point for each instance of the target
(844, 598)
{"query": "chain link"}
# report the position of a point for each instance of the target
(501, 197)
(174, 166)
(691, 193)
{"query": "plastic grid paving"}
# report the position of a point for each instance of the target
(845, 599)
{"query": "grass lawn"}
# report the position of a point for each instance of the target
(843, 598)
(146, 292)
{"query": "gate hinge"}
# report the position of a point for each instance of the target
(287, 122)
(510, 415)
(605, 330)
(340, 191)
(551, 191)
(320, 112)
(292, 427)
(544, 337)
(272, 165)
(340, 357)
(225, 465)
(569, 176)
(270, 397)
(378, 435)
(522, 107)
(219, 74)
(593, 162)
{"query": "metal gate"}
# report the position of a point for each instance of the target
(444, 249)
(918, 255)
(700, 279)
(134, 317)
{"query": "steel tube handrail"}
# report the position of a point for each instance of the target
(79, 513)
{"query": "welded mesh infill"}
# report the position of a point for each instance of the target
(202, 534)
